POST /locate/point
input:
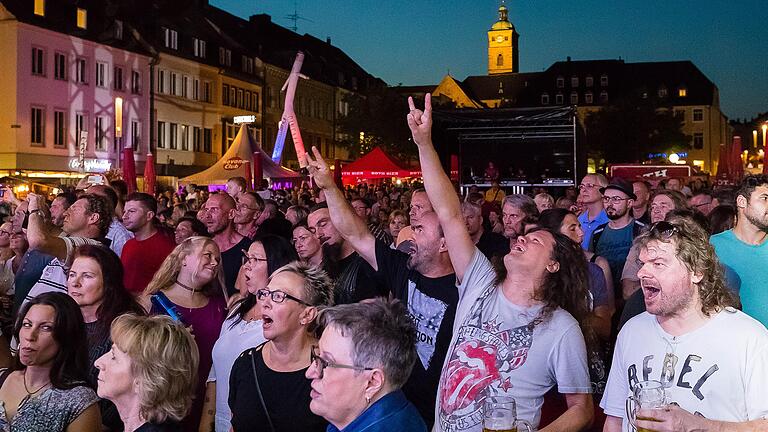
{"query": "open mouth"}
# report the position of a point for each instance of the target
(650, 292)
(266, 321)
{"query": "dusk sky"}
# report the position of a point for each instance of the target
(418, 42)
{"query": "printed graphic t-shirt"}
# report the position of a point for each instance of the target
(431, 304)
(719, 371)
(495, 351)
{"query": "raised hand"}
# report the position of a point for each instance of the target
(319, 170)
(420, 121)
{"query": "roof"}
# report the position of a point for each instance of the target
(377, 164)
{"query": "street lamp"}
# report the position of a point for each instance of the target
(118, 127)
(754, 137)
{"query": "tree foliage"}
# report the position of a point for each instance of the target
(629, 130)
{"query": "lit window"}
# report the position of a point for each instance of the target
(682, 92)
(82, 18)
(40, 7)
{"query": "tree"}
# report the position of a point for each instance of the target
(629, 130)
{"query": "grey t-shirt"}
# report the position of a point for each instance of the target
(495, 350)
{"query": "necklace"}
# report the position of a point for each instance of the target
(29, 393)
(186, 287)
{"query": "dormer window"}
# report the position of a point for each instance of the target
(82, 18)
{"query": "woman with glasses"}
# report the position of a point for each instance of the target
(268, 390)
(242, 329)
(189, 287)
(363, 358)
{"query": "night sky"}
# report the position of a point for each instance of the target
(417, 42)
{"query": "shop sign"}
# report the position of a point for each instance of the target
(233, 163)
(91, 165)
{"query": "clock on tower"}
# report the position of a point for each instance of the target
(502, 45)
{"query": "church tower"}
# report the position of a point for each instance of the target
(502, 45)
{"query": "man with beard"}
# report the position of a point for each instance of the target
(710, 359)
(352, 277)
(613, 240)
(59, 205)
(640, 210)
(744, 247)
(219, 219)
(517, 212)
(423, 280)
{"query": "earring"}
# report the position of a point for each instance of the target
(367, 399)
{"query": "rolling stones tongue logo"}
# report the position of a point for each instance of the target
(482, 358)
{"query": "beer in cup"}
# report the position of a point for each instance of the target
(645, 395)
(500, 415)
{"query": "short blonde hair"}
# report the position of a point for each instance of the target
(164, 358)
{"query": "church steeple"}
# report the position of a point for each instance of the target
(503, 54)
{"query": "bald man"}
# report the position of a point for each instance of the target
(219, 218)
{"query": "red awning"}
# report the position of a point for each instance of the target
(375, 165)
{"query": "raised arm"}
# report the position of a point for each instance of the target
(39, 232)
(343, 217)
(440, 190)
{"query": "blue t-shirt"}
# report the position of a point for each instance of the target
(614, 245)
(750, 262)
(588, 226)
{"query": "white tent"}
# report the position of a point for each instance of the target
(233, 164)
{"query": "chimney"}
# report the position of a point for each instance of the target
(260, 19)
(568, 58)
(328, 40)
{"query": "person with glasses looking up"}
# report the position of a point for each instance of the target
(248, 211)
(268, 389)
(591, 200)
(703, 201)
(613, 239)
(363, 358)
(242, 329)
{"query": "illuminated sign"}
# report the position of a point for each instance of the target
(91, 165)
(244, 119)
(233, 163)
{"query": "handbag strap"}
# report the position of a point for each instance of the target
(258, 387)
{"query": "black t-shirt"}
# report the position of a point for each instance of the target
(354, 280)
(432, 304)
(231, 260)
(286, 395)
(162, 427)
(493, 245)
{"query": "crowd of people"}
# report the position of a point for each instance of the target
(386, 307)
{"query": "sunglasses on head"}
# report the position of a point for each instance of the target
(664, 230)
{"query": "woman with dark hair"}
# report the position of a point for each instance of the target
(95, 282)
(188, 227)
(721, 218)
(46, 390)
(243, 328)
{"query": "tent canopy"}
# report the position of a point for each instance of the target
(233, 163)
(376, 164)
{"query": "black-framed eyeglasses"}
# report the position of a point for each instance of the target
(251, 259)
(664, 230)
(320, 363)
(278, 296)
(614, 199)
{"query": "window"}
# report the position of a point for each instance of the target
(207, 140)
(184, 133)
(195, 89)
(588, 97)
(680, 114)
(247, 64)
(589, 81)
(500, 60)
(160, 81)
(603, 96)
(207, 91)
(101, 133)
(101, 74)
(174, 138)
(698, 140)
(559, 99)
(698, 115)
(574, 98)
(118, 29)
(255, 102)
(232, 96)
(174, 87)
(603, 80)
(170, 38)
(240, 98)
(135, 82)
(230, 137)
(40, 7)
(663, 92)
(118, 83)
(82, 18)
(81, 70)
(225, 56)
(161, 142)
(574, 81)
(247, 101)
(270, 97)
(38, 126)
(60, 66)
(682, 92)
(199, 47)
(354, 83)
(197, 138)
(560, 82)
(135, 135)
(225, 94)
(185, 86)
(59, 128)
(38, 61)
(81, 125)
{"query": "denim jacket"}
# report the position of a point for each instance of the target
(391, 413)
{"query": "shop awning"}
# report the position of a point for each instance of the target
(377, 164)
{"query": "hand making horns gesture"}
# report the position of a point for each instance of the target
(420, 121)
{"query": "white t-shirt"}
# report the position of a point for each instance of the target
(231, 343)
(719, 371)
(495, 351)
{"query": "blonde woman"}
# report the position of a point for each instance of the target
(149, 373)
(189, 286)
